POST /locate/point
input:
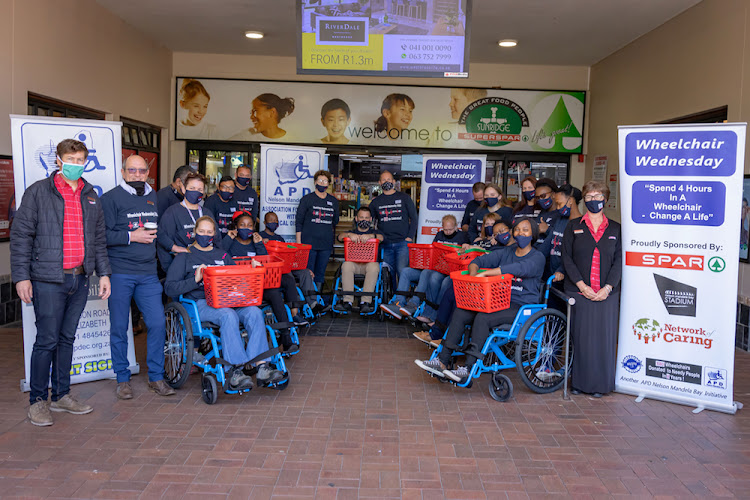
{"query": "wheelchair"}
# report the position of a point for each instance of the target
(382, 294)
(534, 344)
(185, 332)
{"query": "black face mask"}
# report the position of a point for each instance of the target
(139, 186)
(178, 194)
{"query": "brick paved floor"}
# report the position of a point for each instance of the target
(360, 420)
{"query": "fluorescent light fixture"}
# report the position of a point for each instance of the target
(255, 35)
(507, 43)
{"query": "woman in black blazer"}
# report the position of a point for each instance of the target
(592, 256)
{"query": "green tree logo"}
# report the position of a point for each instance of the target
(716, 264)
(558, 126)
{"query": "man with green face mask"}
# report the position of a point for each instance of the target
(58, 238)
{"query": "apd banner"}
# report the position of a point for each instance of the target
(286, 176)
(35, 141)
(446, 189)
(681, 190)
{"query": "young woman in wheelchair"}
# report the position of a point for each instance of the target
(185, 277)
(526, 265)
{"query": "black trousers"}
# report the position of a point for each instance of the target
(481, 324)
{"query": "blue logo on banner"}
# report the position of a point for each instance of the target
(292, 171)
(632, 364)
(687, 203)
(716, 378)
(465, 171)
(690, 153)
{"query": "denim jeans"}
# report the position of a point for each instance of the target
(406, 278)
(233, 349)
(146, 290)
(437, 284)
(317, 263)
(58, 308)
(396, 255)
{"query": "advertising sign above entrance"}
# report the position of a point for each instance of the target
(379, 115)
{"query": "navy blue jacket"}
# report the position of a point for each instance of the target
(247, 199)
(176, 228)
(317, 219)
(222, 210)
(236, 249)
(181, 275)
(527, 272)
(457, 238)
(475, 228)
(396, 217)
(166, 197)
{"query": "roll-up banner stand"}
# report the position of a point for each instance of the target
(681, 193)
(446, 189)
(35, 141)
(286, 176)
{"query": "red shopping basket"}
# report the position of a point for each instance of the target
(233, 286)
(361, 252)
(439, 263)
(461, 262)
(421, 256)
(302, 253)
(271, 264)
(477, 293)
(285, 251)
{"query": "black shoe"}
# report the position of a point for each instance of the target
(366, 308)
(575, 392)
(597, 395)
(238, 381)
(344, 307)
(318, 309)
(300, 321)
(268, 375)
(291, 348)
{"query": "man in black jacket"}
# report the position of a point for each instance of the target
(58, 238)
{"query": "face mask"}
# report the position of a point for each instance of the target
(243, 181)
(491, 202)
(178, 194)
(193, 196)
(387, 186)
(503, 238)
(225, 195)
(593, 206)
(321, 189)
(529, 195)
(545, 203)
(203, 239)
(139, 186)
(523, 241)
(71, 170)
(488, 230)
(564, 211)
(364, 225)
(244, 233)
(272, 226)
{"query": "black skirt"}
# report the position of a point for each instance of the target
(594, 336)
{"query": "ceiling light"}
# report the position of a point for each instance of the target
(507, 43)
(255, 35)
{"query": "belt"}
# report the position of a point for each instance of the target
(75, 270)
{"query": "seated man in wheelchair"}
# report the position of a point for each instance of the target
(242, 241)
(185, 277)
(526, 265)
(428, 282)
(362, 231)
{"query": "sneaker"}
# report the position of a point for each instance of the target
(407, 310)
(423, 337)
(199, 358)
(68, 403)
(39, 413)
(300, 321)
(392, 309)
(161, 388)
(268, 375)
(459, 374)
(545, 374)
(124, 391)
(435, 343)
(344, 307)
(238, 381)
(366, 308)
(433, 366)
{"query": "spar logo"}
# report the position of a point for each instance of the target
(665, 260)
(493, 121)
(647, 330)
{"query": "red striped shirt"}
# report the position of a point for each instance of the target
(596, 258)
(73, 248)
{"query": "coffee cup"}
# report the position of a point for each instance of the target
(150, 226)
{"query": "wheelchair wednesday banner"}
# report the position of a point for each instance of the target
(681, 192)
(35, 141)
(446, 189)
(287, 176)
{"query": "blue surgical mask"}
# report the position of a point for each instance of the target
(244, 233)
(523, 241)
(225, 195)
(272, 226)
(204, 240)
(529, 195)
(321, 189)
(545, 203)
(595, 206)
(387, 186)
(488, 230)
(193, 197)
(492, 201)
(564, 211)
(243, 181)
(503, 238)
(71, 170)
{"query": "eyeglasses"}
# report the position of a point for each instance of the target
(593, 197)
(133, 171)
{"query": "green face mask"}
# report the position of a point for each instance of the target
(71, 170)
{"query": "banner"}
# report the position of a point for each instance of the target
(286, 176)
(35, 141)
(7, 197)
(681, 190)
(379, 115)
(446, 189)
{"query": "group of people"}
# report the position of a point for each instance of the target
(143, 244)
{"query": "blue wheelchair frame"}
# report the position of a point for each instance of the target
(377, 299)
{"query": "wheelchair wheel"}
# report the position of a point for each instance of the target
(210, 388)
(501, 388)
(178, 347)
(540, 351)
